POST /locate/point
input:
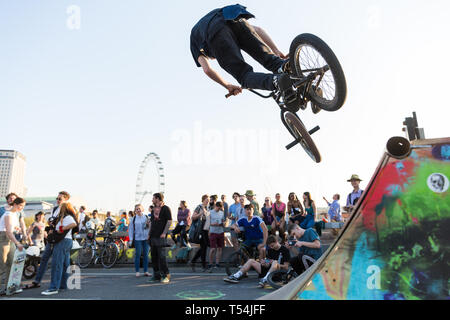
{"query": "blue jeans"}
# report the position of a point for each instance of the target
(141, 245)
(60, 263)
(44, 262)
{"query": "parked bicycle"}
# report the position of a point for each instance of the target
(105, 252)
(237, 259)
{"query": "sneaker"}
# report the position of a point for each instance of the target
(193, 266)
(165, 280)
(283, 83)
(217, 266)
(153, 279)
(231, 279)
(262, 283)
(138, 274)
(49, 292)
(209, 269)
(146, 274)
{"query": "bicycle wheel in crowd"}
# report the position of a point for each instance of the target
(85, 256)
(109, 255)
(234, 262)
(278, 278)
(308, 53)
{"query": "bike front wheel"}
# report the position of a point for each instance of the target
(109, 255)
(85, 256)
(297, 129)
(234, 262)
(308, 54)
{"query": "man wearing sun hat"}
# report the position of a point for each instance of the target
(354, 196)
(251, 198)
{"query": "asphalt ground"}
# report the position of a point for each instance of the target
(121, 283)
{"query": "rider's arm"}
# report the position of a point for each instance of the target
(267, 40)
(214, 75)
(314, 245)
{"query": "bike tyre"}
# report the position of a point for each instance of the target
(298, 131)
(234, 262)
(109, 255)
(87, 253)
(335, 67)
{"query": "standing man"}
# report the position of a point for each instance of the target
(159, 227)
(354, 196)
(82, 215)
(62, 197)
(251, 197)
(225, 206)
(334, 211)
(232, 210)
(94, 219)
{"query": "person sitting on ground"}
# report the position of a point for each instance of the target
(308, 244)
(255, 230)
(278, 257)
(182, 227)
(214, 223)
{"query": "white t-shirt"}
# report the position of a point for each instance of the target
(65, 222)
(14, 221)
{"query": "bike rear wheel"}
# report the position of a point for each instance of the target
(297, 129)
(279, 278)
(109, 255)
(309, 53)
(85, 256)
(234, 262)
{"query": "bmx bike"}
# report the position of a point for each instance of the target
(317, 78)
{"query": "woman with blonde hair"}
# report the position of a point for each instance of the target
(61, 237)
(138, 231)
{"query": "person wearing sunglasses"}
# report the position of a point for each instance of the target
(63, 197)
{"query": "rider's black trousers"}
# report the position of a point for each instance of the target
(226, 47)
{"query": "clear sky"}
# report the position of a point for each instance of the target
(87, 91)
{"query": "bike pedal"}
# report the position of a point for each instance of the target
(313, 130)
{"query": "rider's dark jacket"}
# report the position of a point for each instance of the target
(210, 24)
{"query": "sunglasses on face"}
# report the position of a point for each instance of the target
(59, 199)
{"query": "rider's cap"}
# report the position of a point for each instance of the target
(236, 11)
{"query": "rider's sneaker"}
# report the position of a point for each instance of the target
(284, 84)
(262, 283)
(315, 109)
(231, 279)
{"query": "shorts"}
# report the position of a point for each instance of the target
(216, 240)
(264, 270)
(253, 242)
